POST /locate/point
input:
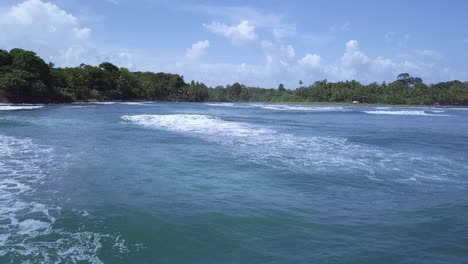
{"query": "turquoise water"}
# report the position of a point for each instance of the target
(232, 183)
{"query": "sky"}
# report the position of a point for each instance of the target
(257, 43)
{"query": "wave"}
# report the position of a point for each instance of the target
(223, 104)
(279, 107)
(403, 112)
(132, 103)
(27, 226)
(198, 124)
(103, 103)
(268, 147)
(19, 107)
(302, 108)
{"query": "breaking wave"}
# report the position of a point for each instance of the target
(404, 112)
(302, 108)
(280, 107)
(272, 148)
(19, 107)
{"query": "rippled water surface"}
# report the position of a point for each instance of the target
(138, 182)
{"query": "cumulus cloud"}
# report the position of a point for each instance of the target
(289, 51)
(45, 28)
(310, 60)
(272, 22)
(241, 33)
(278, 66)
(55, 34)
(353, 54)
(197, 50)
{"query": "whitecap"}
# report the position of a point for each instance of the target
(301, 108)
(19, 107)
(287, 151)
(403, 112)
(132, 103)
(103, 103)
(223, 104)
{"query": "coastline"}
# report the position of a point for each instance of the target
(5, 102)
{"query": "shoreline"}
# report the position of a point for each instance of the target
(275, 103)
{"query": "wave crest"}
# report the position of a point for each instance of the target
(404, 112)
(287, 151)
(19, 107)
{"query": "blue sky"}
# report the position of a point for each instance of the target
(259, 43)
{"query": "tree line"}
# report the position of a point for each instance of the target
(26, 78)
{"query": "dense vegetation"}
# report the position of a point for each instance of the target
(26, 78)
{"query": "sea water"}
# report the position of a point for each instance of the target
(143, 182)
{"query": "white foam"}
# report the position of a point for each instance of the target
(261, 145)
(287, 151)
(19, 107)
(223, 104)
(198, 124)
(279, 107)
(130, 103)
(32, 227)
(133, 103)
(301, 108)
(25, 222)
(20, 167)
(403, 112)
(103, 103)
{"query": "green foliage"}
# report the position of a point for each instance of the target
(195, 92)
(6, 58)
(281, 87)
(25, 77)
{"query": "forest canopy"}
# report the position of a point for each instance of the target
(27, 78)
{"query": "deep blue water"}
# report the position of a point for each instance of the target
(233, 183)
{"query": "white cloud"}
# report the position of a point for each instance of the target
(353, 54)
(341, 28)
(82, 33)
(44, 28)
(197, 50)
(311, 60)
(273, 22)
(54, 34)
(277, 67)
(241, 33)
(115, 2)
(290, 52)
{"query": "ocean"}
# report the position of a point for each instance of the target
(151, 182)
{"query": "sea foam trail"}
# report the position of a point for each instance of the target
(405, 112)
(282, 150)
(19, 107)
(26, 226)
